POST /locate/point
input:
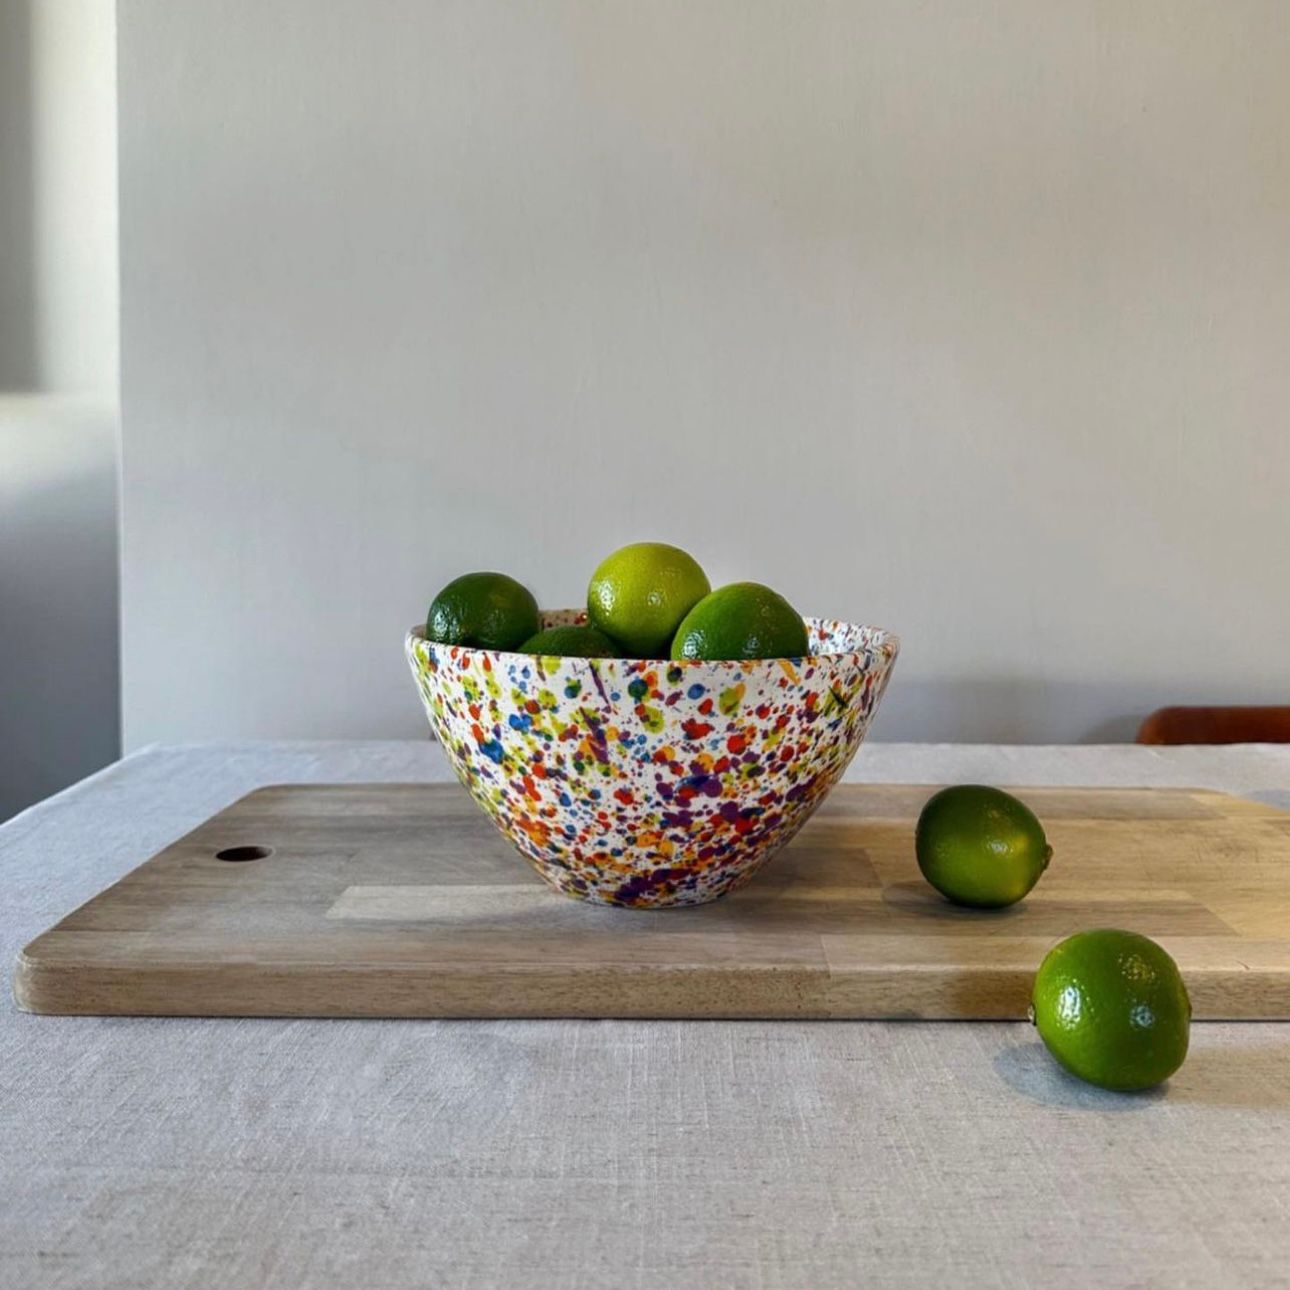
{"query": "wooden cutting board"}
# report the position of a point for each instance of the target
(403, 901)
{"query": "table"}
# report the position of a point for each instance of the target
(172, 1153)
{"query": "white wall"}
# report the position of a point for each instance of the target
(965, 319)
(58, 225)
(74, 72)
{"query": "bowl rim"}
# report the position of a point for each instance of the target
(883, 640)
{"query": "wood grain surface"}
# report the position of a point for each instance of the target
(403, 901)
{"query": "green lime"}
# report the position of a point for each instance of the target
(639, 594)
(979, 846)
(742, 620)
(570, 642)
(1112, 1008)
(486, 610)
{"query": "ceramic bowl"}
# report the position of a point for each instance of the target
(651, 783)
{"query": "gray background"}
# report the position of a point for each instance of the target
(59, 670)
(967, 320)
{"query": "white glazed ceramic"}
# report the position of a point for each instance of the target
(652, 783)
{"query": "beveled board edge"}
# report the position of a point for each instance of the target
(931, 994)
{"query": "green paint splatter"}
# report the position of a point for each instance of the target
(651, 719)
(729, 700)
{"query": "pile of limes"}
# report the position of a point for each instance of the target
(648, 600)
(1110, 1005)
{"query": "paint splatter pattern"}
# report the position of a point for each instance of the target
(651, 783)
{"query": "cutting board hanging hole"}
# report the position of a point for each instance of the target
(244, 853)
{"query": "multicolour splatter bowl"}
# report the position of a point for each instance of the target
(650, 783)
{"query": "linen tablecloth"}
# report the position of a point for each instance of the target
(172, 1153)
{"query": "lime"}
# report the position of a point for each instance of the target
(570, 642)
(1112, 1008)
(488, 610)
(979, 846)
(639, 594)
(742, 620)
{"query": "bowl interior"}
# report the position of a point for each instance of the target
(825, 636)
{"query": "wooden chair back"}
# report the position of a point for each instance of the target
(1238, 725)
